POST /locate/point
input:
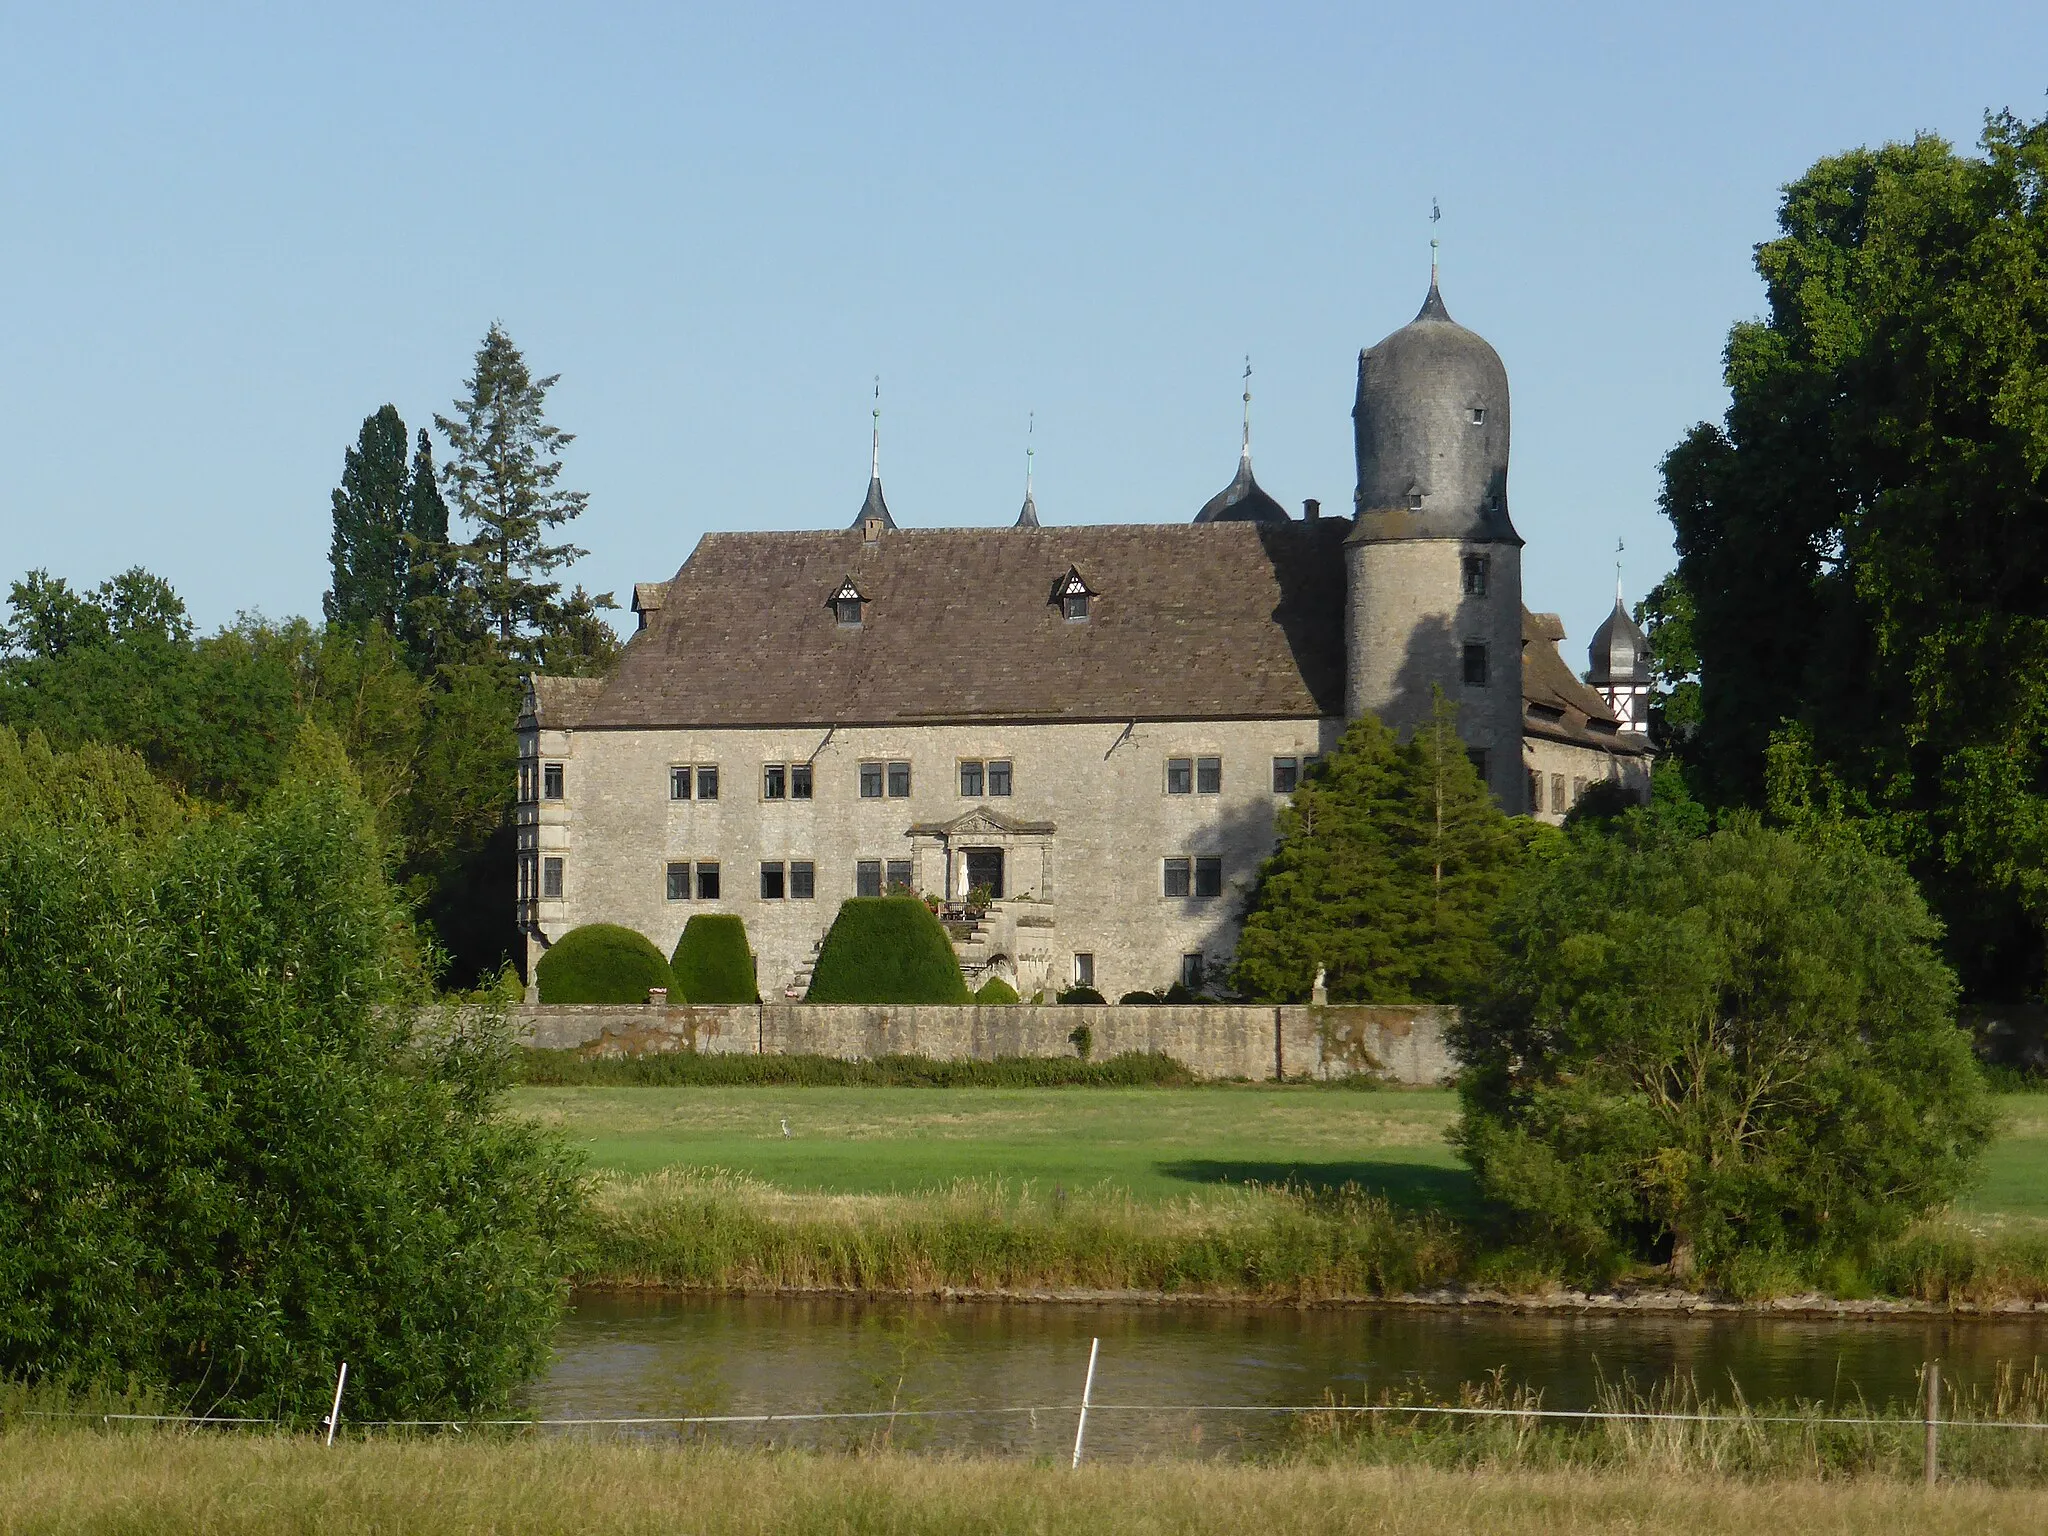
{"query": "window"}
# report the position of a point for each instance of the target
(1071, 593)
(551, 781)
(846, 604)
(871, 781)
(1209, 775)
(1074, 605)
(970, 780)
(525, 877)
(867, 877)
(774, 883)
(1535, 791)
(1475, 664)
(999, 777)
(1191, 972)
(1208, 877)
(679, 882)
(1557, 805)
(803, 880)
(707, 882)
(978, 779)
(1286, 775)
(774, 781)
(707, 783)
(679, 783)
(1578, 789)
(899, 876)
(1084, 970)
(799, 781)
(1478, 415)
(1415, 501)
(1180, 775)
(551, 879)
(1477, 757)
(1475, 575)
(526, 783)
(1177, 876)
(899, 781)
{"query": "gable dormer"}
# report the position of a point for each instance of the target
(1073, 597)
(849, 608)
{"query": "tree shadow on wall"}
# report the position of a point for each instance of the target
(1405, 1186)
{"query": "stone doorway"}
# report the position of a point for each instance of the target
(985, 868)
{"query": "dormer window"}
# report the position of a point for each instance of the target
(1478, 415)
(1072, 595)
(848, 606)
(1415, 501)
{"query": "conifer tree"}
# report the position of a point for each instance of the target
(505, 460)
(367, 555)
(431, 625)
(1392, 859)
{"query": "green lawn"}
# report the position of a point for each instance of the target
(1157, 1143)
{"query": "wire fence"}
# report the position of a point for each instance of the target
(1931, 1421)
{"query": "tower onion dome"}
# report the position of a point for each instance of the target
(1242, 501)
(1431, 428)
(1620, 655)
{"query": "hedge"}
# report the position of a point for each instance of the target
(712, 963)
(601, 963)
(886, 949)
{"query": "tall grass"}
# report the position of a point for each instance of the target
(82, 1484)
(1712, 1438)
(689, 1069)
(713, 1230)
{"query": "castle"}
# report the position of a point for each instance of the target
(1088, 730)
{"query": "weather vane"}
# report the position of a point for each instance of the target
(1436, 217)
(1030, 431)
(875, 458)
(1247, 404)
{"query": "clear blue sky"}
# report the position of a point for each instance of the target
(229, 233)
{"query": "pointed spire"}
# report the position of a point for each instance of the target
(875, 510)
(1433, 306)
(1028, 518)
(1245, 453)
(1617, 572)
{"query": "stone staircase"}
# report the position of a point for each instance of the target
(801, 984)
(1013, 940)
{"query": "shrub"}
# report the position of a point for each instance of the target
(261, 1171)
(1080, 995)
(886, 949)
(1141, 999)
(601, 963)
(712, 963)
(1082, 1039)
(1718, 1047)
(995, 990)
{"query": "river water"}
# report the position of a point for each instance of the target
(630, 1355)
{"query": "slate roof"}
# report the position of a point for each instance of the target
(1556, 705)
(1620, 654)
(559, 703)
(1244, 500)
(1214, 621)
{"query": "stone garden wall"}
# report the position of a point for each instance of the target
(1404, 1044)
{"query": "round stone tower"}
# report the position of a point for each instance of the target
(1433, 566)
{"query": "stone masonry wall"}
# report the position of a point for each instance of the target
(1404, 1044)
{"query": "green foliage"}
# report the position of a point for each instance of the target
(1864, 539)
(601, 963)
(367, 558)
(1079, 995)
(1130, 1069)
(1734, 1045)
(995, 991)
(94, 784)
(1392, 859)
(712, 963)
(1082, 1039)
(228, 1164)
(886, 949)
(505, 460)
(1666, 616)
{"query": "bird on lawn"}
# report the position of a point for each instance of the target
(785, 1127)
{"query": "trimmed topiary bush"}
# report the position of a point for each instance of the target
(1080, 995)
(601, 963)
(712, 963)
(995, 990)
(886, 949)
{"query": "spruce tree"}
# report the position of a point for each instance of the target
(367, 555)
(501, 476)
(1392, 859)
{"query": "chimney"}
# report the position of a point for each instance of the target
(1311, 509)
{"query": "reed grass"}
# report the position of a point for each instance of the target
(84, 1484)
(706, 1229)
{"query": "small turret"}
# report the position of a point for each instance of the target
(1243, 500)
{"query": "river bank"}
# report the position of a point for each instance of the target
(707, 1230)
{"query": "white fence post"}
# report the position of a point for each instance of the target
(1929, 1470)
(1087, 1391)
(334, 1413)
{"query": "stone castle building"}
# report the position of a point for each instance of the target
(1088, 728)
